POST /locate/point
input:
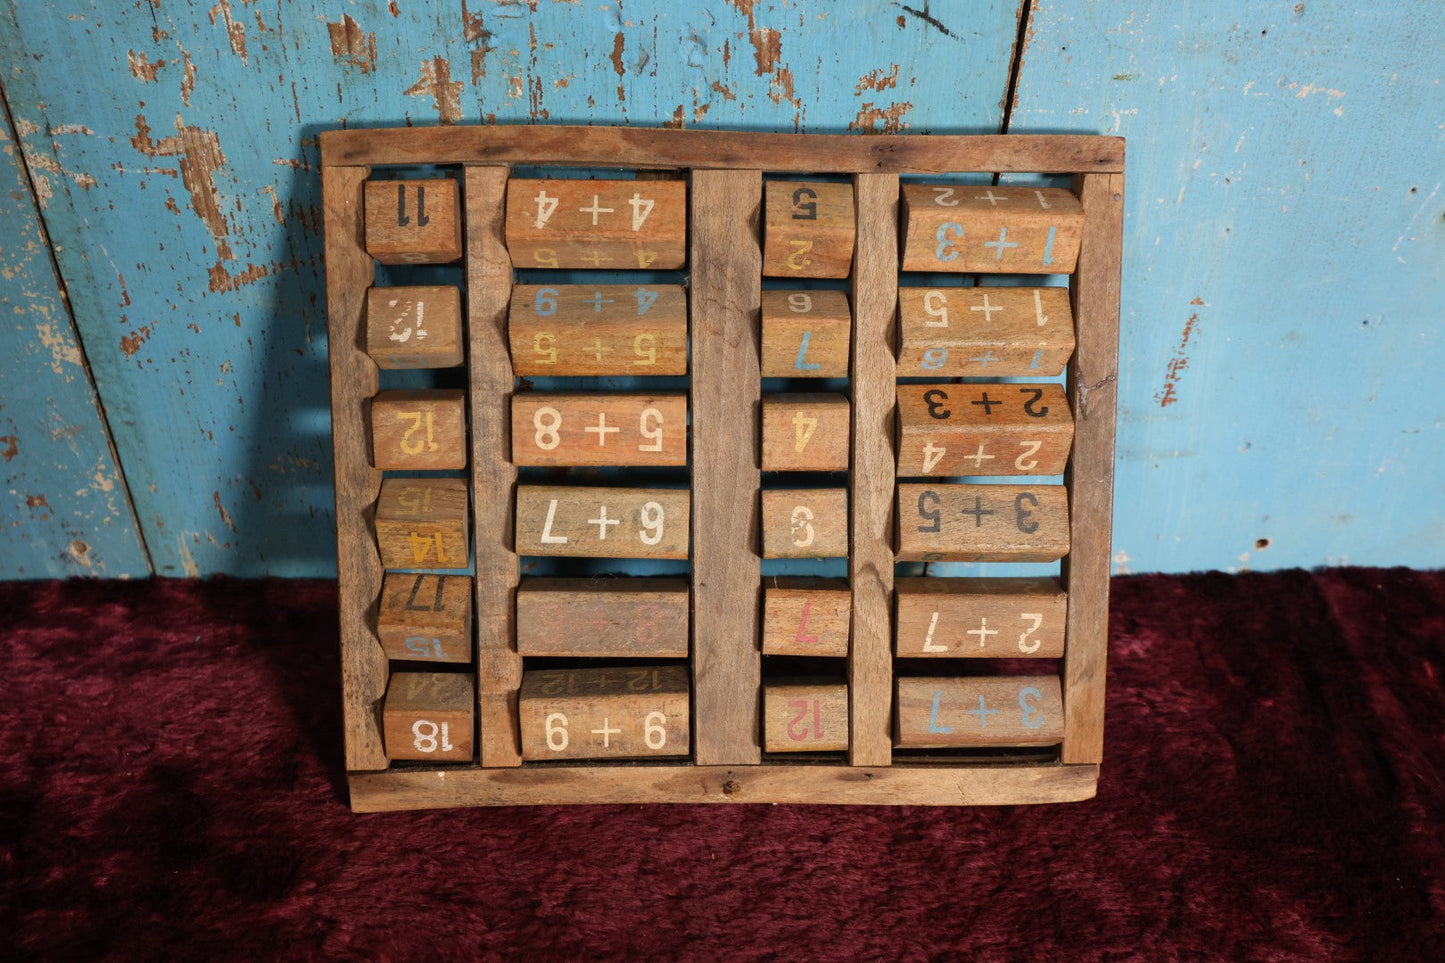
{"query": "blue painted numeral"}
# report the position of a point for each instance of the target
(800, 364)
(1049, 246)
(947, 249)
(934, 358)
(1033, 719)
(933, 725)
(645, 300)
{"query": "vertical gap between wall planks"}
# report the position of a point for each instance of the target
(494, 479)
(726, 282)
(1093, 375)
(349, 272)
(870, 559)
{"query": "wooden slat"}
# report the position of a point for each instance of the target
(657, 149)
(870, 563)
(726, 298)
(353, 382)
(1093, 375)
(489, 290)
(941, 785)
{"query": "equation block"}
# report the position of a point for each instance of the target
(808, 229)
(602, 522)
(983, 429)
(806, 334)
(980, 618)
(426, 618)
(805, 523)
(614, 713)
(597, 330)
(591, 429)
(419, 430)
(418, 326)
(805, 432)
(428, 716)
(964, 712)
(604, 225)
(413, 222)
(984, 332)
(422, 523)
(807, 616)
(805, 717)
(982, 523)
(614, 617)
(981, 230)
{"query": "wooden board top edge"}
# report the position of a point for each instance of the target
(661, 149)
(900, 785)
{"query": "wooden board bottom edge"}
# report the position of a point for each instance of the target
(900, 785)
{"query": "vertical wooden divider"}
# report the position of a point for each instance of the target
(1093, 375)
(870, 558)
(349, 271)
(726, 269)
(494, 479)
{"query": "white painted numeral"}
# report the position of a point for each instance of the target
(546, 435)
(1038, 620)
(557, 738)
(547, 537)
(935, 305)
(651, 517)
(800, 302)
(1029, 448)
(802, 527)
(943, 197)
(932, 455)
(928, 645)
(641, 207)
(426, 741)
(654, 732)
(546, 207)
(654, 431)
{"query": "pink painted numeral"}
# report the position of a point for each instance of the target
(798, 728)
(802, 635)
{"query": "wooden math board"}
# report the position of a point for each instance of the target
(660, 457)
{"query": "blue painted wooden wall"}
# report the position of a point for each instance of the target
(163, 351)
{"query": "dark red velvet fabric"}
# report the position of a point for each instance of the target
(1272, 789)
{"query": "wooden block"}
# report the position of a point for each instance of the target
(806, 616)
(418, 326)
(805, 523)
(983, 618)
(598, 329)
(984, 332)
(983, 429)
(806, 334)
(614, 617)
(602, 522)
(609, 225)
(615, 713)
(998, 711)
(980, 230)
(592, 429)
(419, 430)
(808, 229)
(809, 717)
(982, 523)
(428, 716)
(426, 618)
(413, 222)
(422, 523)
(805, 432)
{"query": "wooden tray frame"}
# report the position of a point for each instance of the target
(725, 282)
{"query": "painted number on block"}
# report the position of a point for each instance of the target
(428, 736)
(799, 729)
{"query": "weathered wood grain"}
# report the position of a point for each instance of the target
(805, 717)
(1093, 377)
(726, 296)
(808, 229)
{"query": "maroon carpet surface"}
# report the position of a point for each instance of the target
(171, 787)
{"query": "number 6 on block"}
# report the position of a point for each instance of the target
(602, 522)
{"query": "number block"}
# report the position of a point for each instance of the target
(426, 618)
(981, 618)
(811, 717)
(619, 713)
(984, 332)
(422, 523)
(597, 330)
(982, 230)
(608, 225)
(808, 229)
(413, 222)
(983, 429)
(578, 429)
(806, 334)
(591, 618)
(805, 523)
(982, 523)
(807, 616)
(602, 522)
(428, 716)
(805, 432)
(420, 430)
(418, 326)
(996, 711)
